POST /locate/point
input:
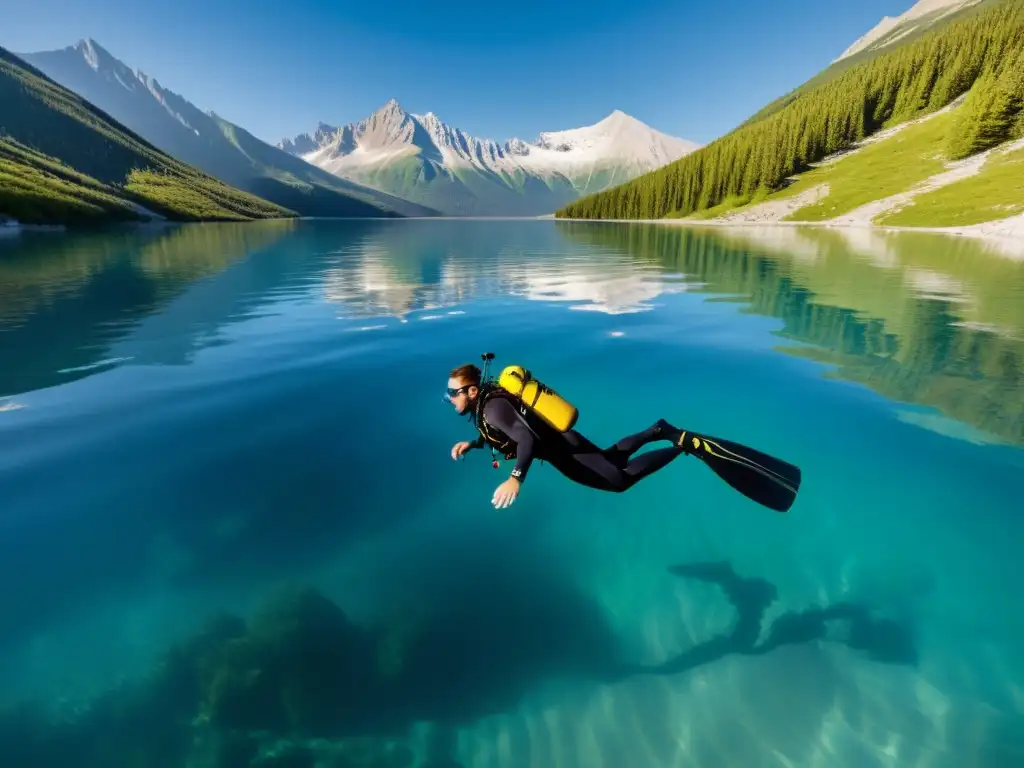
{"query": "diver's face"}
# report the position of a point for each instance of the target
(461, 394)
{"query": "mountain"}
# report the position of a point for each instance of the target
(924, 14)
(205, 140)
(63, 161)
(970, 60)
(421, 158)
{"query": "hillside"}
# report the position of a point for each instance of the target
(218, 147)
(63, 161)
(908, 176)
(422, 158)
(980, 53)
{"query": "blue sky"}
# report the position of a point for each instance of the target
(495, 70)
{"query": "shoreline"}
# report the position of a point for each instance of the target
(13, 227)
(966, 229)
(1007, 235)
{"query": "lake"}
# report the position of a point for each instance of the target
(194, 418)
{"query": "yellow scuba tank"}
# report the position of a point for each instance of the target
(547, 403)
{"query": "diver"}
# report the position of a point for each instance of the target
(519, 430)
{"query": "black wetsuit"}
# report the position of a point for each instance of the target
(610, 469)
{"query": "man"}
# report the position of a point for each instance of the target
(525, 436)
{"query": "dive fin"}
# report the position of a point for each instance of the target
(765, 479)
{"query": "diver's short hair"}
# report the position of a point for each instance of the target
(468, 373)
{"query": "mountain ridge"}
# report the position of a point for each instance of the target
(204, 139)
(923, 12)
(419, 156)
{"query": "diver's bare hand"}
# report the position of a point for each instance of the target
(505, 493)
(460, 448)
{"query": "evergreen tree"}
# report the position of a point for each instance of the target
(991, 113)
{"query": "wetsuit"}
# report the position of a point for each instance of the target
(572, 454)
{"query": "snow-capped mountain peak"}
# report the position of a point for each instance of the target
(618, 135)
(91, 52)
(390, 133)
(557, 166)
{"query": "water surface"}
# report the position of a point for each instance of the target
(190, 416)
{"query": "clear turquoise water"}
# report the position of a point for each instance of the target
(190, 416)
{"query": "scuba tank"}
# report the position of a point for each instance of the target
(541, 399)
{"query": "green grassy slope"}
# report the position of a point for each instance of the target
(879, 170)
(898, 163)
(36, 189)
(63, 161)
(983, 44)
(995, 193)
(882, 168)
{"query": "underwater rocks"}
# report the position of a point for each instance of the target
(301, 668)
(219, 750)
(298, 669)
(359, 752)
(181, 675)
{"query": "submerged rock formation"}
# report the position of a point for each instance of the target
(299, 685)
